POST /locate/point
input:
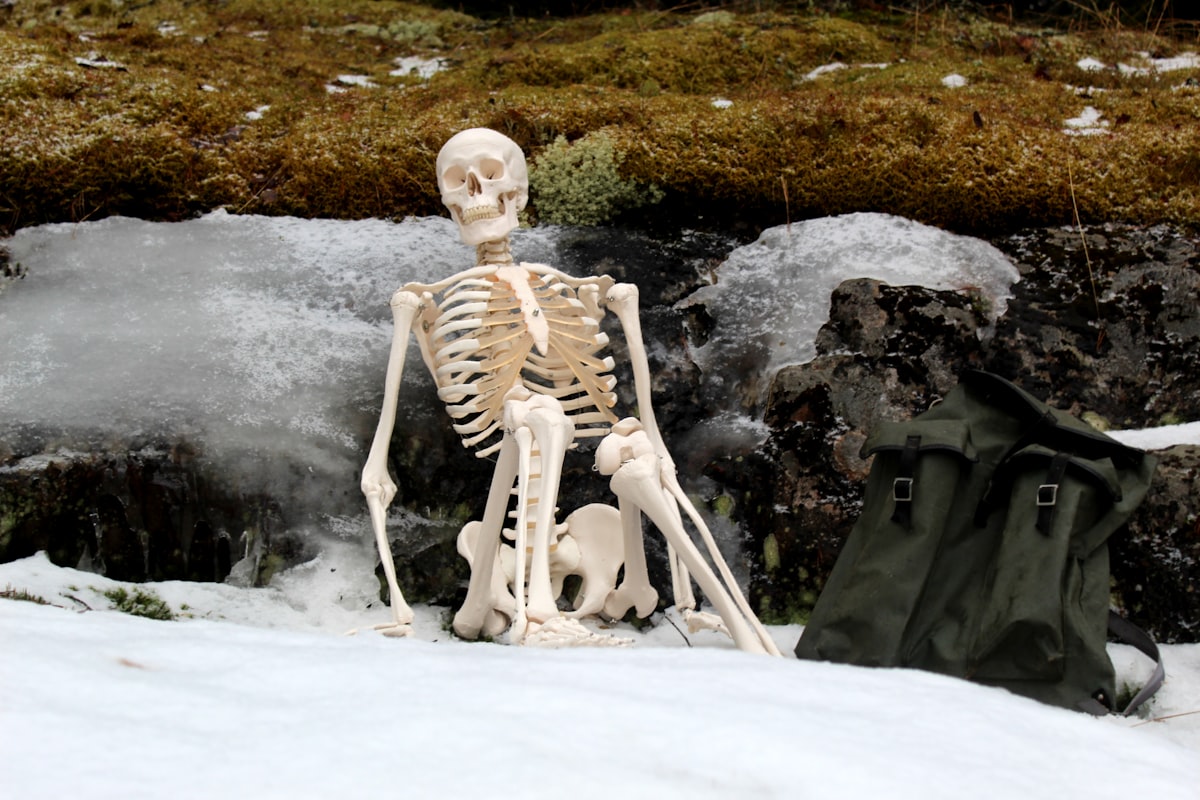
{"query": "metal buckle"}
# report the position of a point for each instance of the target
(1047, 494)
(902, 490)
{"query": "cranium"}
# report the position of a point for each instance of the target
(484, 183)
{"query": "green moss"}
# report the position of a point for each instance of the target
(9, 593)
(140, 603)
(167, 135)
(722, 505)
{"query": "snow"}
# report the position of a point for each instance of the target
(1160, 438)
(363, 81)
(954, 81)
(423, 68)
(258, 695)
(824, 69)
(1188, 60)
(1088, 123)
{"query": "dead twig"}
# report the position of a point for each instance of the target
(1086, 256)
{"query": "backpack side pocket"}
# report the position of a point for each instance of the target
(1039, 502)
(864, 608)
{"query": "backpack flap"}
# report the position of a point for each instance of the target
(1044, 621)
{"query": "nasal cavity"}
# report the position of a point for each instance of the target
(472, 184)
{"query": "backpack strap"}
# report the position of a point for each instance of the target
(1047, 493)
(902, 485)
(1131, 634)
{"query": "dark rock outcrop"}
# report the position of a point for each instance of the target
(1125, 353)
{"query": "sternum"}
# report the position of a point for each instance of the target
(535, 321)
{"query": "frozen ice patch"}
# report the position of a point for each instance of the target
(252, 334)
(772, 296)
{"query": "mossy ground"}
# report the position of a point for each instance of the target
(111, 107)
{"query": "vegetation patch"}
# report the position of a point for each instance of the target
(578, 184)
(140, 603)
(10, 593)
(166, 109)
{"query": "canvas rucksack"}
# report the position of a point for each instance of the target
(981, 550)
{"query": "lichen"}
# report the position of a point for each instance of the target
(579, 183)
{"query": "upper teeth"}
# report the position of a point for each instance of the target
(476, 213)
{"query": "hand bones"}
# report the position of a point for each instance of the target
(516, 352)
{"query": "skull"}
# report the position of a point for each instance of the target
(484, 183)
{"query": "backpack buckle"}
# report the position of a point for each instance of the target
(902, 490)
(1047, 494)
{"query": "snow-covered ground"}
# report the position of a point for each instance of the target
(256, 693)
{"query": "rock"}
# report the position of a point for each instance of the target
(149, 514)
(1156, 562)
(888, 352)
(1127, 348)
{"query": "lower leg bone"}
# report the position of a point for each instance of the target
(553, 431)
(470, 618)
(638, 482)
(635, 590)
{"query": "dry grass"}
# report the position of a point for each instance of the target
(166, 134)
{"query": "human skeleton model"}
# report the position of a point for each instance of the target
(517, 355)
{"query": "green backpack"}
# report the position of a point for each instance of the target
(981, 550)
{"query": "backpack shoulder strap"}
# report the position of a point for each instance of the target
(1131, 634)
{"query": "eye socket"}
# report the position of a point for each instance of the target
(454, 177)
(491, 169)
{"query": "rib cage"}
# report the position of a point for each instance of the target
(480, 345)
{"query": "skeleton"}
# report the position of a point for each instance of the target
(517, 355)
